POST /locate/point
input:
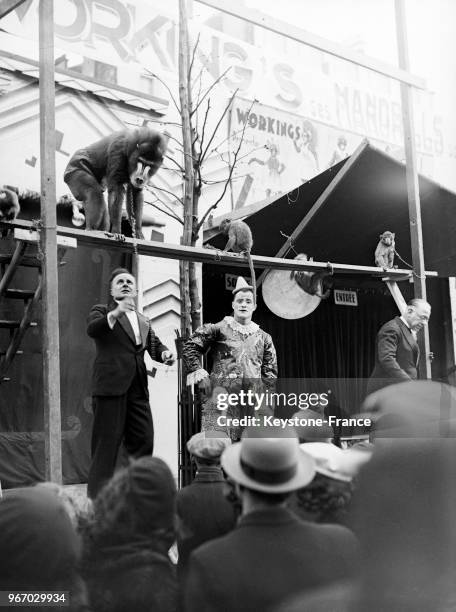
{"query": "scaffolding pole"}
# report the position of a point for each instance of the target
(413, 193)
(48, 246)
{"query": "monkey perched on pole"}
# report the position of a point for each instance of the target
(385, 251)
(240, 240)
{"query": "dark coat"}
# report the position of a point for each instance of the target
(204, 512)
(396, 357)
(122, 580)
(117, 357)
(269, 556)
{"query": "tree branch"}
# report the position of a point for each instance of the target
(199, 76)
(181, 150)
(203, 155)
(193, 56)
(171, 137)
(151, 188)
(181, 168)
(200, 86)
(217, 80)
(230, 136)
(204, 128)
(232, 166)
(250, 152)
(165, 212)
(166, 87)
(236, 178)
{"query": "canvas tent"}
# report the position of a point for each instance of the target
(365, 199)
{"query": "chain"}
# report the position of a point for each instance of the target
(410, 266)
(37, 225)
(133, 221)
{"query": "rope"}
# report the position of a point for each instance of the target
(290, 242)
(290, 200)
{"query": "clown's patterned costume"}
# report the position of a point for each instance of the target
(243, 357)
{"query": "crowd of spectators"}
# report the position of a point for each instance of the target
(268, 523)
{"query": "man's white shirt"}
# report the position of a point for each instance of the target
(133, 318)
(413, 332)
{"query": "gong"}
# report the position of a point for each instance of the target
(285, 298)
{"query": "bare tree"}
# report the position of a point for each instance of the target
(196, 147)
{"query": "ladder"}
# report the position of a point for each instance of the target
(17, 328)
(23, 255)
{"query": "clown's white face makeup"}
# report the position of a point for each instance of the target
(243, 307)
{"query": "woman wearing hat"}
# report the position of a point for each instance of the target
(327, 498)
(126, 541)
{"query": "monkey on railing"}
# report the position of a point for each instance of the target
(384, 253)
(313, 283)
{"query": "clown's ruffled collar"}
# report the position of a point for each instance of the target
(244, 330)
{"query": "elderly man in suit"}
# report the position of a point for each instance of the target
(271, 554)
(119, 387)
(397, 352)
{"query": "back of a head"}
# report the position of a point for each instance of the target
(39, 546)
(417, 302)
(308, 428)
(417, 409)
(403, 515)
(136, 503)
(126, 561)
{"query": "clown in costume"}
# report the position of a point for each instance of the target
(243, 359)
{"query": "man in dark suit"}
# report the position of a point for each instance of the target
(119, 386)
(202, 507)
(397, 352)
(271, 554)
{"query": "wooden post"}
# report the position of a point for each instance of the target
(184, 98)
(50, 303)
(416, 234)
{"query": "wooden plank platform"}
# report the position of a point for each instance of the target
(165, 250)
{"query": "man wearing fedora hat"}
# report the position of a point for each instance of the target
(243, 358)
(271, 554)
(203, 510)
